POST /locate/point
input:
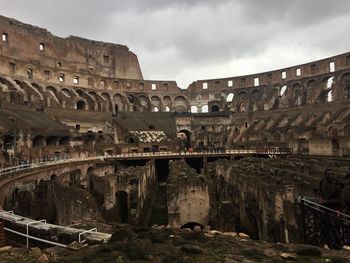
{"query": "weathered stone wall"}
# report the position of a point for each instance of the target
(259, 196)
(125, 196)
(187, 195)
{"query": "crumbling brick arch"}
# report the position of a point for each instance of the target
(98, 100)
(80, 104)
(180, 104)
(119, 103)
(167, 103)
(333, 131)
(38, 87)
(241, 101)
(107, 104)
(299, 97)
(255, 97)
(90, 102)
(143, 103)
(345, 84)
(156, 102)
(15, 97)
(38, 141)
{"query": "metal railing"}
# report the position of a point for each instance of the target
(15, 218)
(210, 152)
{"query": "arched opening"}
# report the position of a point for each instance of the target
(230, 97)
(330, 82)
(80, 92)
(215, 108)
(194, 109)
(52, 140)
(64, 140)
(192, 225)
(282, 90)
(89, 139)
(53, 177)
(80, 105)
(122, 206)
(205, 109)
(241, 107)
(15, 98)
(330, 96)
(155, 109)
(333, 131)
(38, 141)
(184, 139)
(167, 109)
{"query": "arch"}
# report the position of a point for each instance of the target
(155, 109)
(122, 205)
(108, 102)
(194, 109)
(333, 131)
(64, 140)
(38, 141)
(230, 97)
(80, 92)
(15, 97)
(37, 87)
(167, 100)
(215, 108)
(143, 103)
(167, 109)
(192, 225)
(241, 107)
(52, 140)
(80, 105)
(52, 89)
(242, 93)
(66, 92)
(282, 90)
(180, 104)
(330, 96)
(184, 137)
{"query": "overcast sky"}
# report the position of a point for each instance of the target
(187, 40)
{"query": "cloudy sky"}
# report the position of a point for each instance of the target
(187, 40)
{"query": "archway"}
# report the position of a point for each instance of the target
(215, 108)
(80, 105)
(122, 206)
(185, 139)
(192, 225)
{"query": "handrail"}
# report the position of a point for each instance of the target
(319, 207)
(22, 167)
(86, 231)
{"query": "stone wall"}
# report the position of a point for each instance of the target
(187, 195)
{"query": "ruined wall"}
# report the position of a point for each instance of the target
(259, 196)
(125, 194)
(187, 195)
(47, 56)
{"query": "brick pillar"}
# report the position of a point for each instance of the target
(2, 234)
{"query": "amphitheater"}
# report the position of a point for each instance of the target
(85, 137)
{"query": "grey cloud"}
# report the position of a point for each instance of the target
(174, 38)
